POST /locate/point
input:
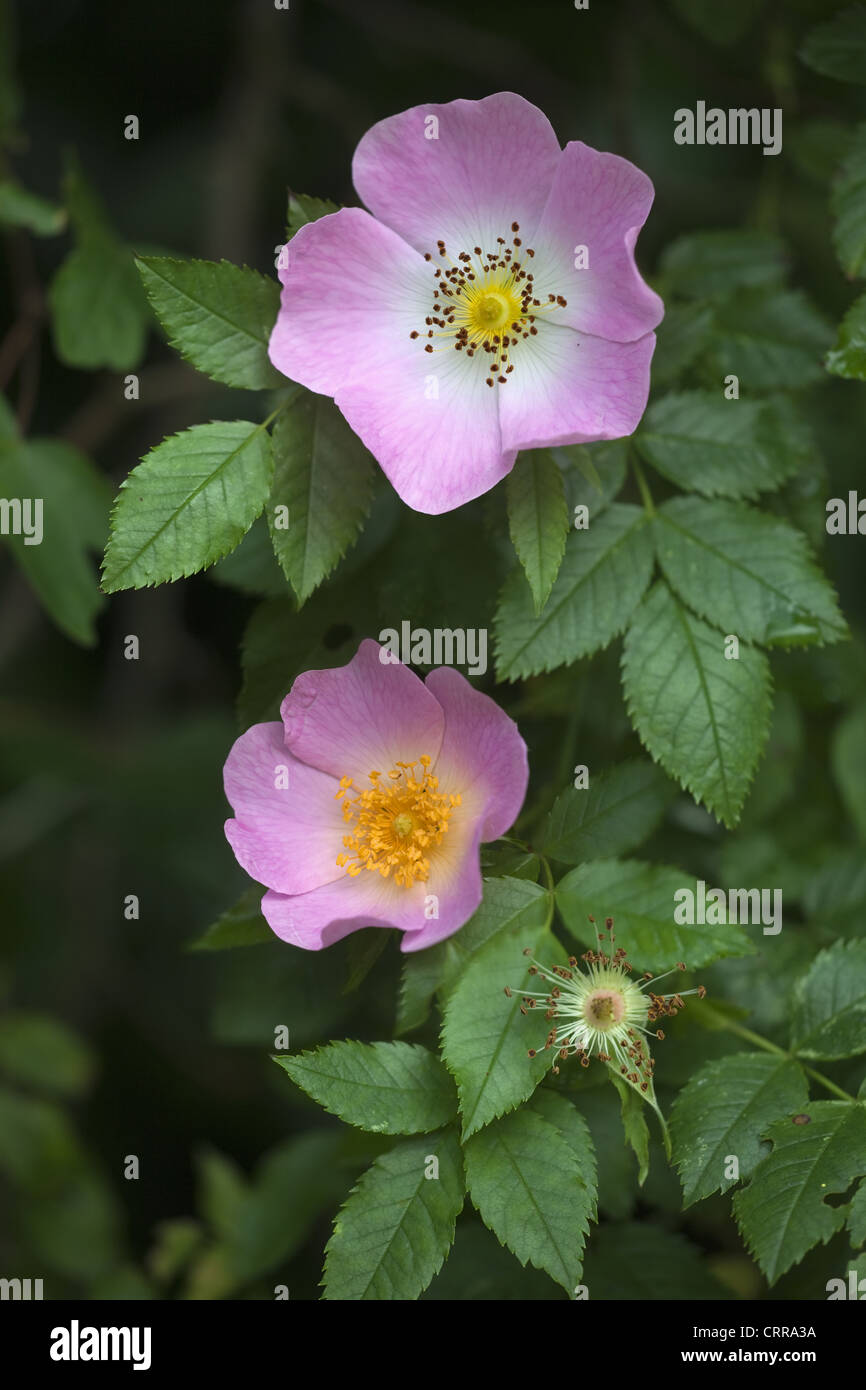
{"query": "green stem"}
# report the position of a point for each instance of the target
(551, 888)
(764, 1043)
(641, 481)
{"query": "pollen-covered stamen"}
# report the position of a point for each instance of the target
(395, 823)
(485, 303)
(601, 1012)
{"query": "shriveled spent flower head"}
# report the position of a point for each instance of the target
(602, 1012)
(488, 302)
(367, 803)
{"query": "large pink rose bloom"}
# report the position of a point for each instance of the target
(366, 805)
(488, 302)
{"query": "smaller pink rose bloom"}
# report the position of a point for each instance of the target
(488, 302)
(367, 804)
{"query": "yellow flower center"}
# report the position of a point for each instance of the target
(395, 823)
(485, 303)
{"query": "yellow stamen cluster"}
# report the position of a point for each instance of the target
(395, 822)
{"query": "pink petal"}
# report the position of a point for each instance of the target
(353, 291)
(569, 388)
(599, 201)
(318, 919)
(483, 756)
(286, 838)
(437, 450)
(455, 884)
(492, 164)
(361, 717)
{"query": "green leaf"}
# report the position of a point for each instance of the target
(42, 1052)
(634, 1123)
(396, 1227)
(642, 1262)
(746, 572)
(99, 311)
(323, 477)
(682, 336)
(829, 1006)
(769, 341)
(640, 898)
(538, 519)
(385, 1087)
(241, 925)
(486, 1038)
(618, 810)
(783, 1212)
(593, 474)
(848, 202)
(848, 760)
(75, 500)
(857, 1216)
(604, 573)
(710, 264)
(838, 48)
(704, 718)
(507, 902)
(21, 208)
(737, 448)
(836, 895)
(218, 316)
(848, 357)
(188, 502)
(303, 209)
(532, 1178)
(723, 1112)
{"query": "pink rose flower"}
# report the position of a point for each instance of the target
(488, 302)
(367, 804)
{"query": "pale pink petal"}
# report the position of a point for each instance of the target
(287, 837)
(318, 919)
(483, 756)
(362, 717)
(433, 424)
(600, 202)
(454, 886)
(353, 291)
(492, 164)
(570, 388)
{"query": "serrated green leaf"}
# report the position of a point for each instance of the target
(838, 48)
(303, 209)
(323, 476)
(385, 1087)
(485, 1037)
(747, 572)
(188, 503)
(634, 1124)
(710, 264)
(848, 357)
(507, 902)
(21, 208)
(722, 448)
(682, 336)
(783, 1212)
(75, 499)
(848, 202)
(242, 925)
(531, 1176)
(615, 813)
(723, 1112)
(829, 1006)
(640, 898)
(604, 573)
(218, 316)
(397, 1225)
(704, 718)
(769, 341)
(538, 519)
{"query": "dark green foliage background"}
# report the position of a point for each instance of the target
(110, 771)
